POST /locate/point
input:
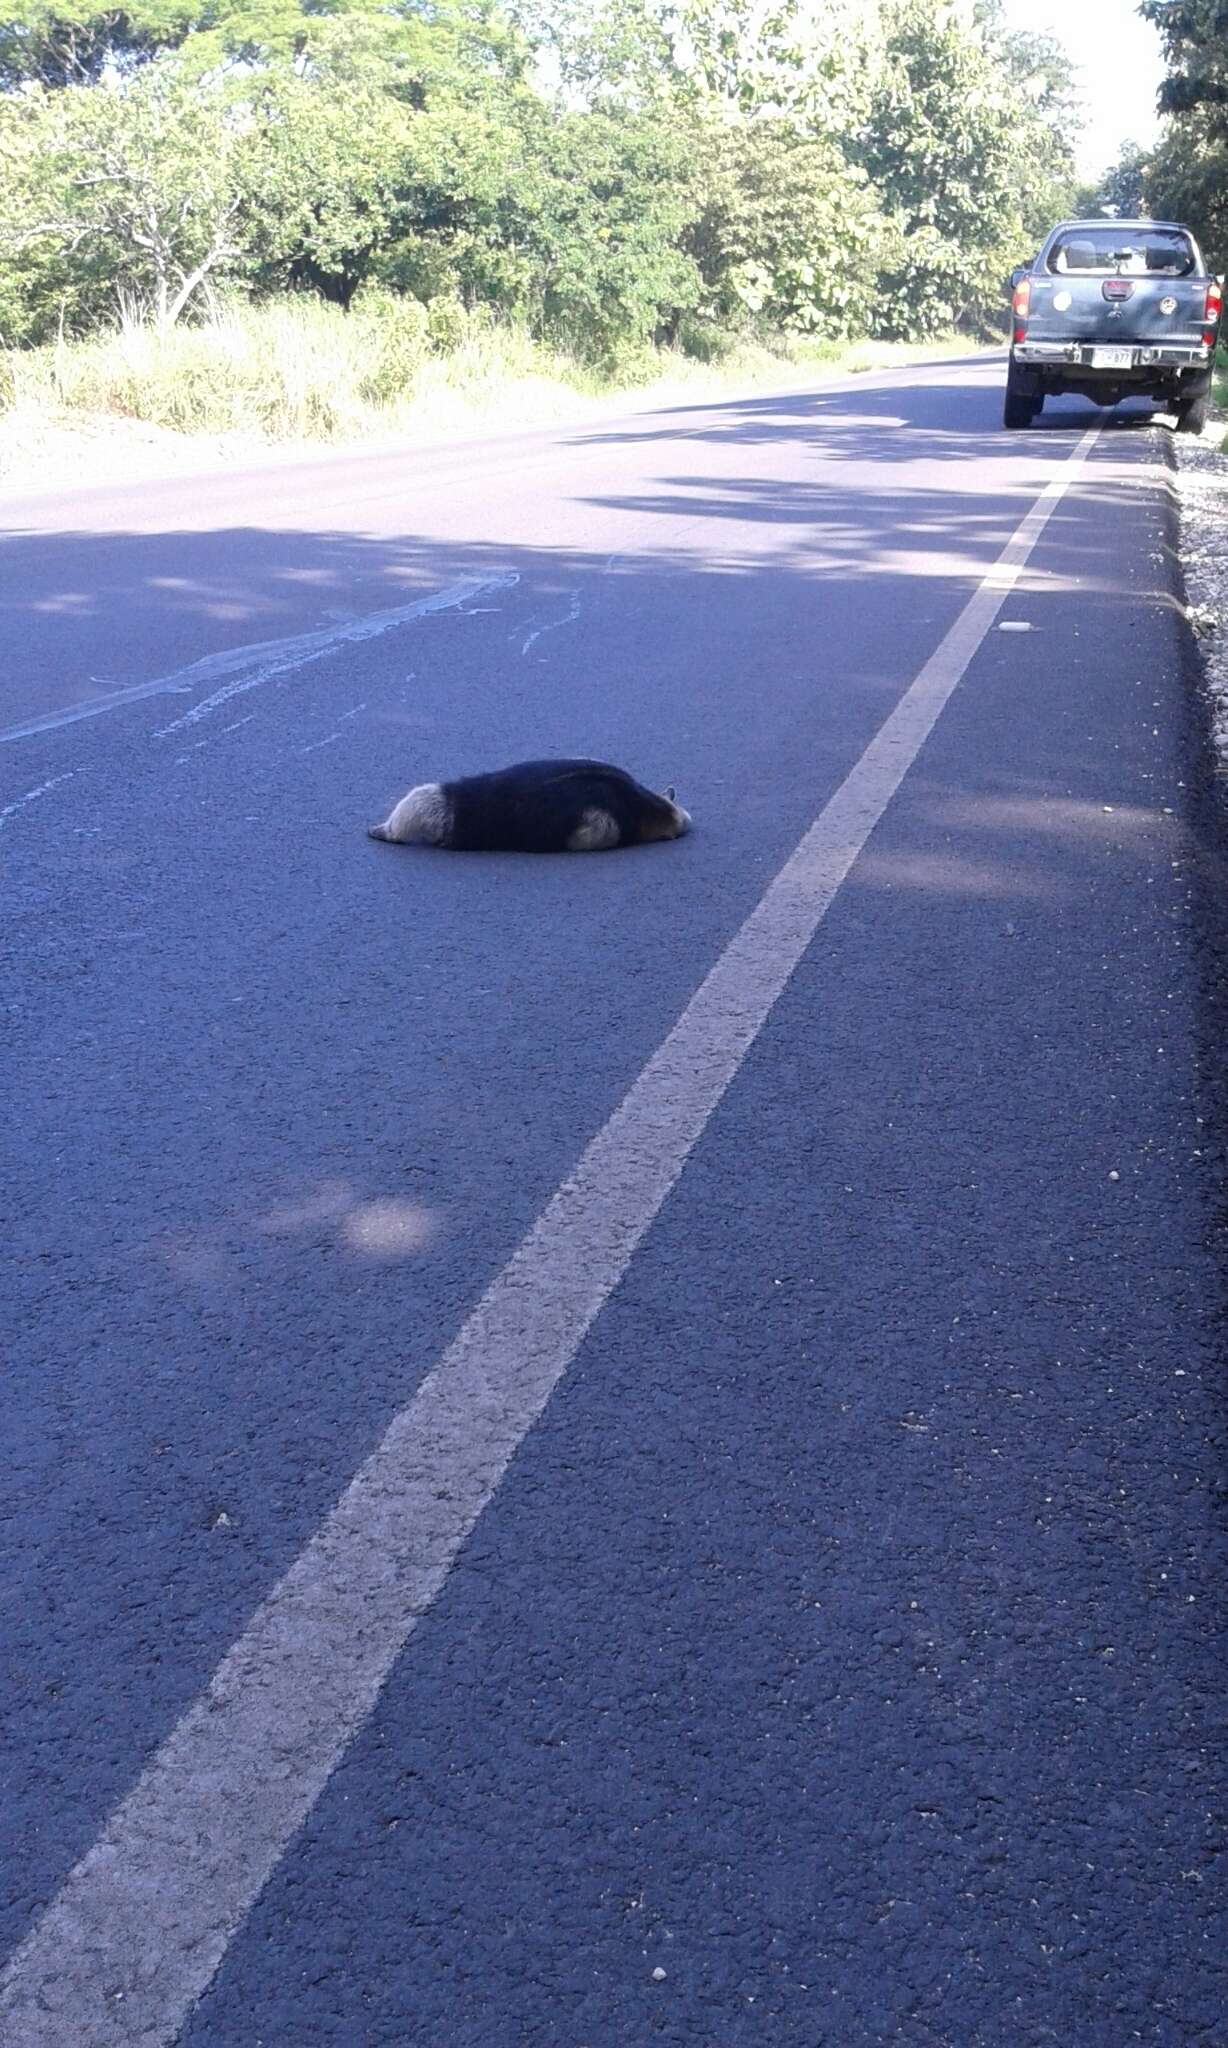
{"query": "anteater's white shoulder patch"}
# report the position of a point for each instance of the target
(424, 816)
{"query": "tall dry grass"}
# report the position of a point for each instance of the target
(298, 369)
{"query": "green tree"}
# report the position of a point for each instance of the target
(602, 51)
(320, 180)
(968, 162)
(777, 57)
(1041, 182)
(124, 192)
(422, 41)
(42, 45)
(1195, 38)
(806, 58)
(1123, 188)
(602, 218)
(788, 231)
(467, 180)
(1187, 179)
(297, 170)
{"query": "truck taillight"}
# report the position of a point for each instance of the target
(1212, 310)
(1020, 301)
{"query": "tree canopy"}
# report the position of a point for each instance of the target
(606, 171)
(1195, 38)
(1186, 175)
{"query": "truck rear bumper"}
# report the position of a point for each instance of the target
(1143, 356)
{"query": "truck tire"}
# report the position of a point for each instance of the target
(1020, 404)
(1194, 409)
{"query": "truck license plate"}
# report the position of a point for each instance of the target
(1112, 358)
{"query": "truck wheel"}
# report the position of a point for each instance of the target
(1020, 404)
(1194, 412)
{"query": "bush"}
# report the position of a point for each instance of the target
(447, 325)
(393, 337)
(703, 340)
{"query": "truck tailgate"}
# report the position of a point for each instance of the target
(1123, 311)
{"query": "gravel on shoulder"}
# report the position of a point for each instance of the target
(1201, 480)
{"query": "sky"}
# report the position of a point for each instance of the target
(1119, 65)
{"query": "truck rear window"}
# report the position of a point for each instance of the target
(1101, 252)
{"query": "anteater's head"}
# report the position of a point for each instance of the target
(682, 819)
(666, 819)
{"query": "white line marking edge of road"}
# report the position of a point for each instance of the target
(139, 1928)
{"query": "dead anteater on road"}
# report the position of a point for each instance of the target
(536, 807)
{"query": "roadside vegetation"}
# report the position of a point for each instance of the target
(320, 217)
(1186, 176)
(298, 368)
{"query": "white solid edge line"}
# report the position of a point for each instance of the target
(141, 1924)
(261, 660)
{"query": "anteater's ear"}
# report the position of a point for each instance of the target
(671, 793)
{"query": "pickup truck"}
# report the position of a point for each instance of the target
(1115, 309)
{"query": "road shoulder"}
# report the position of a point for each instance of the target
(1200, 471)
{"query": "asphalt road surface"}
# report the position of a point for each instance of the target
(621, 1449)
